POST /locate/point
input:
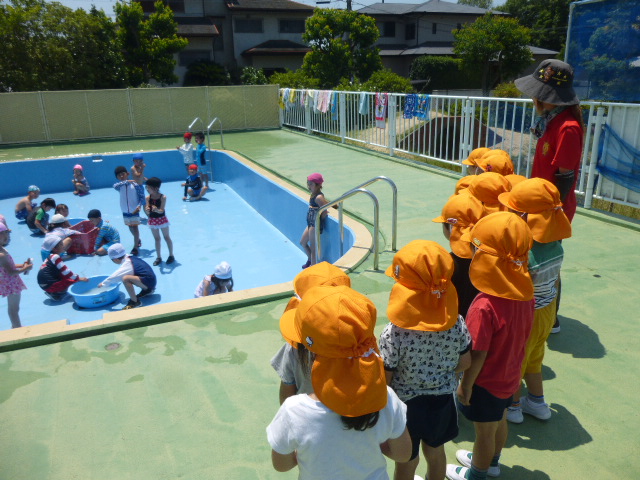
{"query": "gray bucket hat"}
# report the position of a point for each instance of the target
(551, 82)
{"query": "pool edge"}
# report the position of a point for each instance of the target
(61, 330)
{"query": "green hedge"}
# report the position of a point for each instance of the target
(443, 73)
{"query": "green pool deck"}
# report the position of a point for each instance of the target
(190, 398)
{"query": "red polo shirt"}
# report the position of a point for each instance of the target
(560, 147)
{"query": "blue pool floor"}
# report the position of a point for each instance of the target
(220, 227)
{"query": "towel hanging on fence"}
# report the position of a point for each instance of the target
(410, 104)
(423, 106)
(334, 106)
(284, 94)
(325, 96)
(364, 104)
(382, 100)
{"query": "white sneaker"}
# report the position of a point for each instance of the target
(417, 477)
(514, 415)
(456, 472)
(464, 457)
(539, 410)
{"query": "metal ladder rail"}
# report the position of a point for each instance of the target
(338, 201)
(209, 142)
(394, 211)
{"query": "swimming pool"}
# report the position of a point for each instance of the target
(249, 219)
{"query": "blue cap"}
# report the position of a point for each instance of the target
(137, 156)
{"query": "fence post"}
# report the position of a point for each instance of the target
(342, 116)
(307, 115)
(45, 121)
(392, 122)
(593, 159)
(132, 121)
(467, 117)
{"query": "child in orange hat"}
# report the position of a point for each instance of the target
(459, 215)
(486, 187)
(472, 159)
(497, 161)
(352, 419)
(423, 347)
(539, 200)
(499, 321)
(463, 183)
(290, 361)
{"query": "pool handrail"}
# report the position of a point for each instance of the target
(194, 122)
(216, 119)
(394, 210)
(339, 201)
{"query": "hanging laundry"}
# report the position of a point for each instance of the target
(364, 103)
(334, 106)
(382, 100)
(422, 109)
(303, 97)
(311, 94)
(292, 98)
(325, 97)
(410, 103)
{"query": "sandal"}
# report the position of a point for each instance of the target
(157, 262)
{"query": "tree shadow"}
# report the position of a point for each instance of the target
(576, 339)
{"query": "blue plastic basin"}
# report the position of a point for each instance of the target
(88, 295)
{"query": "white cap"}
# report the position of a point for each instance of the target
(223, 271)
(50, 242)
(116, 251)
(58, 218)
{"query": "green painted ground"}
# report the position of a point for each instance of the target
(190, 399)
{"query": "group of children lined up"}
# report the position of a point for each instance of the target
(54, 276)
(466, 328)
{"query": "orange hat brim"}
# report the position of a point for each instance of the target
(458, 246)
(422, 310)
(288, 326)
(500, 277)
(549, 226)
(350, 386)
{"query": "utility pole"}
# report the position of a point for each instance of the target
(348, 5)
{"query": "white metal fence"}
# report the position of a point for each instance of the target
(447, 128)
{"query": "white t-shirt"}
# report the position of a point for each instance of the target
(325, 450)
(288, 367)
(188, 153)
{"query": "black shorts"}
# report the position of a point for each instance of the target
(484, 407)
(432, 419)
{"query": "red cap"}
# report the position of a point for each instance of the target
(193, 166)
(188, 135)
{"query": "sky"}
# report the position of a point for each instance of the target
(107, 5)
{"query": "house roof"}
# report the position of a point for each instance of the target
(271, 5)
(196, 27)
(432, 6)
(277, 47)
(438, 48)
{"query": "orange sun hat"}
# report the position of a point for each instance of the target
(462, 212)
(497, 161)
(336, 324)
(423, 297)
(486, 187)
(500, 264)
(475, 155)
(323, 273)
(540, 200)
(464, 183)
(515, 179)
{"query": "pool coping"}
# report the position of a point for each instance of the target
(61, 330)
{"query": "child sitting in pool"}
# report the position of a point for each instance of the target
(62, 209)
(38, 219)
(193, 189)
(132, 271)
(107, 235)
(58, 227)
(317, 200)
(54, 277)
(220, 281)
(158, 221)
(80, 183)
(27, 204)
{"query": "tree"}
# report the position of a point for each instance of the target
(496, 42)
(547, 19)
(253, 76)
(341, 44)
(486, 4)
(206, 72)
(47, 46)
(148, 44)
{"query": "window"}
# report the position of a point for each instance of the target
(248, 25)
(410, 31)
(186, 58)
(434, 28)
(388, 29)
(292, 26)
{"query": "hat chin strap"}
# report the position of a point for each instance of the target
(368, 353)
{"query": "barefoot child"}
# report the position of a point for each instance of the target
(193, 189)
(187, 151)
(201, 158)
(133, 271)
(80, 183)
(24, 206)
(131, 202)
(11, 285)
(158, 221)
(38, 219)
(317, 200)
(107, 235)
(54, 277)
